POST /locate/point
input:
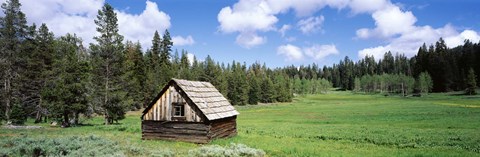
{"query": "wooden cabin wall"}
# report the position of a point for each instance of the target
(162, 109)
(176, 131)
(221, 128)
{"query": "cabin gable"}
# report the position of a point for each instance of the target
(167, 105)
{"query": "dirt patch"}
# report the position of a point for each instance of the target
(21, 127)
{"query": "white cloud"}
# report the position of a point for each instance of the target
(290, 52)
(181, 41)
(316, 52)
(368, 6)
(250, 39)
(64, 16)
(389, 21)
(459, 39)
(319, 52)
(73, 16)
(246, 15)
(249, 17)
(284, 29)
(190, 58)
(408, 43)
(142, 26)
(398, 28)
(311, 24)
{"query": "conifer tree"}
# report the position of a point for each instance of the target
(471, 82)
(108, 59)
(134, 67)
(67, 93)
(13, 29)
(39, 70)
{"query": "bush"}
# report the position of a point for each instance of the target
(233, 150)
(162, 153)
(69, 146)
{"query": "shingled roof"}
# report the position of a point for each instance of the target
(206, 97)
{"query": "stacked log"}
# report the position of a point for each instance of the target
(196, 132)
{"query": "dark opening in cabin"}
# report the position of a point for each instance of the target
(179, 110)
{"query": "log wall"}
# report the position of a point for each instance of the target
(175, 131)
(196, 132)
(162, 110)
(222, 128)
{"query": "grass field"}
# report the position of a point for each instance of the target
(333, 124)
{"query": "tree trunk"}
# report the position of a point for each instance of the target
(66, 121)
(38, 116)
(107, 121)
(76, 118)
(8, 97)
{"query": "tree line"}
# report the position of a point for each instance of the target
(450, 69)
(43, 76)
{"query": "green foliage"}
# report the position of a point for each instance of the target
(424, 82)
(134, 76)
(233, 150)
(162, 153)
(13, 53)
(267, 94)
(238, 85)
(387, 83)
(66, 95)
(66, 146)
(17, 116)
(107, 56)
(313, 86)
(471, 83)
(357, 84)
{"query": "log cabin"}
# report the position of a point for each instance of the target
(189, 111)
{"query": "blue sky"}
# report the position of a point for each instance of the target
(314, 31)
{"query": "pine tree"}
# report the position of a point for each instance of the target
(254, 92)
(134, 74)
(165, 70)
(67, 93)
(39, 70)
(184, 68)
(153, 82)
(13, 31)
(108, 59)
(267, 94)
(471, 83)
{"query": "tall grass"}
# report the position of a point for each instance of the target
(334, 124)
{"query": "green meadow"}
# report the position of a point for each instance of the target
(333, 124)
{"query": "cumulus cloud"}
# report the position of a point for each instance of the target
(311, 24)
(250, 39)
(64, 16)
(408, 43)
(389, 21)
(367, 6)
(249, 17)
(284, 29)
(316, 51)
(181, 41)
(319, 52)
(73, 16)
(142, 26)
(290, 52)
(399, 29)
